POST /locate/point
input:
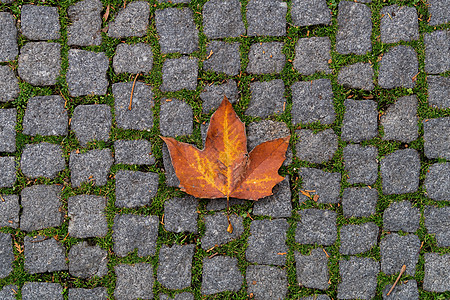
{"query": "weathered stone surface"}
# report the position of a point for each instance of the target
(6, 255)
(400, 120)
(213, 95)
(266, 17)
(44, 254)
(7, 171)
(222, 19)
(134, 59)
(223, 57)
(220, 273)
(437, 222)
(312, 55)
(400, 172)
(357, 76)
(266, 58)
(316, 147)
(357, 239)
(437, 51)
(87, 261)
(437, 272)
(277, 205)
(175, 266)
(180, 214)
(87, 216)
(42, 160)
(40, 22)
(9, 85)
(316, 297)
(312, 270)
(91, 166)
(181, 296)
(360, 120)
(216, 230)
(8, 121)
(437, 138)
(135, 188)
(361, 164)
(171, 177)
(267, 98)
(437, 182)
(9, 211)
(134, 281)
(438, 91)
(8, 35)
(439, 11)
(358, 278)
(305, 13)
(179, 73)
(399, 24)
(91, 123)
(317, 226)
(401, 216)
(133, 152)
(326, 185)
(42, 290)
(86, 23)
(407, 290)
(398, 67)
(359, 202)
(98, 293)
(219, 204)
(8, 292)
(130, 21)
(175, 118)
(45, 115)
(397, 251)
(266, 282)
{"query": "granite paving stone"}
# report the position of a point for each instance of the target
(437, 222)
(400, 172)
(8, 119)
(46, 116)
(316, 297)
(437, 138)
(135, 188)
(174, 1)
(266, 282)
(87, 261)
(92, 166)
(133, 152)
(317, 226)
(177, 31)
(7, 171)
(359, 202)
(400, 120)
(134, 281)
(312, 101)
(216, 230)
(277, 205)
(354, 28)
(361, 163)
(358, 278)
(212, 95)
(316, 147)
(267, 98)
(181, 296)
(305, 13)
(85, 23)
(438, 91)
(357, 76)
(401, 216)
(360, 120)
(44, 254)
(180, 214)
(326, 185)
(398, 66)
(219, 204)
(175, 118)
(220, 273)
(9, 85)
(132, 232)
(131, 21)
(40, 63)
(437, 182)
(266, 18)
(437, 51)
(91, 123)
(312, 270)
(9, 211)
(266, 58)
(175, 266)
(171, 177)
(6, 255)
(397, 250)
(222, 18)
(356, 239)
(437, 272)
(41, 207)
(406, 290)
(40, 22)
(223, 57)
(179, 74)
(42, 160)
(8, 35)
(98, 293)
(399, 23)
(313, 55)
(439, 12)
(8, 292)
(42, 290)
(87, 216)
(134, 59)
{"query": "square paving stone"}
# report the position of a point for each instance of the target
(437, 272)
(42, 160)
(176, 118)
(356, 239)
(91, 123)
(9, 211)
(437, 51)
(397, 251)
(398, 66)
(316, 297)
(312, 270)
(181, 296)
(8, 35)
(266, 241)
(399, 24)
(180, 214)
(305, 13)
(45, 115)
(98, 293)
(8, 119)
(216, 230)
(401, 216)
(220, 274)
(9, 85)
(44, 254)
(357, 76)
(41, 207)
(135, 188)
(439, 11)
(135, 232)
(87, 216)
(354, 28)
(316, 147)
(438, 91)
(175, 266)
(86, 74)
(140, 117)
(134, 281)
(437, 222)
(40, 63)
(277, 205)
(134, 59)
(133, 152)
(437, 182)
(313, 55)
(40, 22)
(317, 226)
(171, 177)
(400, 172)
(85, 23)
(220, 204)
(361, 163)
(437, 138)
(130, 21)
(6, 255)
(407, 290)
(7, 172)
(179, 74)
(266, 282)
(8, 292)
(267, 98)
(266, 58)
(223, 57)
(312, 101)
(358, 278)
(324, 184)
(359, 202)
(176, 29)
(42, 290)
(92, 166)
(360, 120)
(87, 261)
(266, 18)
(213, 95)
(400, 120)
(222, 18)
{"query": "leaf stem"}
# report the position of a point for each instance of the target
(230, 227)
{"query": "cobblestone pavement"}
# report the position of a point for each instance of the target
(89, 207)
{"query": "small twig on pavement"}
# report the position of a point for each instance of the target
(396, 281)
(132, 91)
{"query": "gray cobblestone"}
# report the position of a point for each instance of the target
(312, 270)
(317, 226)
(401, 216)
(361, 163)
(266, 282)
(437, 51)
(357, 76)
(7, 171)
(42, 290)
(42, 160)
(8, 35)
(266, 18)
(406, 290)
(175, 265)
(400, 172)
(223, 57)
(267, 98)
(135, 188)
(360, 120)
(437, 183)
(266, 58)
(98, 293)
(180, 214)
(213, 95)
(437, 272)
(398, 67)
(400, 120)
(8, 119)
(356, 239)
(179, 74)
(9, 211)
(437, 222)
(9, 85)
(134, 281)
(8, 292)
(216, 230)
(438, 91)
(222, 19)
(277, 205)
(40, 22)
(45, 115)
(220, 274)
(359, 202)
(87, 216)
(6, 255)
(437, 138)
(316, 147)
(134, 59)
(358, 278)
(44, 254)
(130, 21)
(439, 12)
(397, 251)
(326, 185)
(91, 166)
(86, 23)
(175, 118)
(312, 55)
(305, 13)
(91, 123)
(399, 24)
(87, 261)
(133, 152)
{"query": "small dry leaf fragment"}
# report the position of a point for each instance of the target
(106, 15)
(315, 198)
(305, 193)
